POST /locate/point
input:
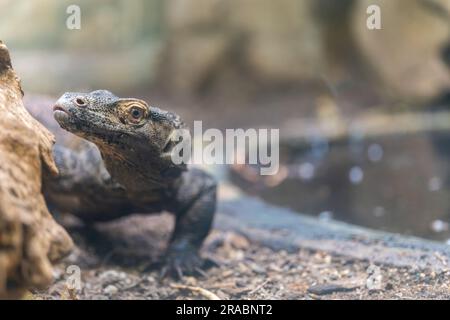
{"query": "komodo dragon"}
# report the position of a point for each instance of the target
(126, 168)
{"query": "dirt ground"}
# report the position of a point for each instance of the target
(247, 271)
(113, 258)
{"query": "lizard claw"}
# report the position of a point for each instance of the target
(180, 264)
(166, 271)
(179, 267)
(178, 270)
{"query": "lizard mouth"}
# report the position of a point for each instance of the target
(57, 108)
(60, 114)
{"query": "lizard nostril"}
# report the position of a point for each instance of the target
(81, 102)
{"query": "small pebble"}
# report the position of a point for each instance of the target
(110, 290)
(323, 289)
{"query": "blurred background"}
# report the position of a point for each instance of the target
(363, 114)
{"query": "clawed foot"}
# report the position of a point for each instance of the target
(179, 263)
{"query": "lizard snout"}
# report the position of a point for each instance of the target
(58, 107)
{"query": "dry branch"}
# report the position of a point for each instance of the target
(203, 292)
(30, 240)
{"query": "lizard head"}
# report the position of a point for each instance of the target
(124, 127)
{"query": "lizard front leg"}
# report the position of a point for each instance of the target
(84, 187)
(194, 207)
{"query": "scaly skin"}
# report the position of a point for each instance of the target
(127, 169)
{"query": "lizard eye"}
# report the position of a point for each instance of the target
(136, 114)
(80, 101)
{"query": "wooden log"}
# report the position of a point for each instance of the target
(30, 240)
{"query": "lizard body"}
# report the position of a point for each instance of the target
(123, 166)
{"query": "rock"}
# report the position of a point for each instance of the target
(233, 42)
(406, 53)
(374, 280)
(323, 289)
(284, 40)
(257, 268)
(182, 14)
(190, 60)
(110, 290)
(112, 276)
(237, 241)
(30, 240)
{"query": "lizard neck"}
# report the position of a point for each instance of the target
(140, 175)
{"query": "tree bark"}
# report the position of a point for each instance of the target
(30, 240)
